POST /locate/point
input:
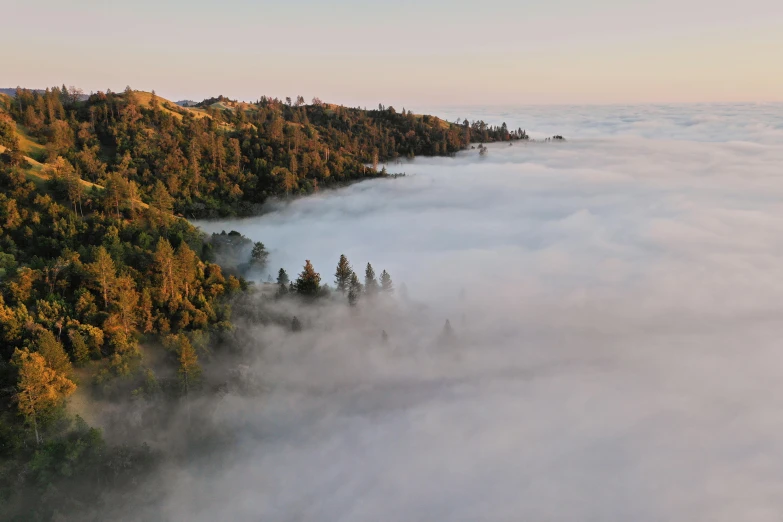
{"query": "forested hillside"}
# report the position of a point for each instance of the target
(82, 293)
(224, 157)
(109, 297)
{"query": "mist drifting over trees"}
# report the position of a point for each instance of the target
(561, 330)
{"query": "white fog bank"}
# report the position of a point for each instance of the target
(617, 304)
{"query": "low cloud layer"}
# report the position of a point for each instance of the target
(616, 301)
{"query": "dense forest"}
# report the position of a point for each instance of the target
(109, 296)
(222, 157)
(115, 305)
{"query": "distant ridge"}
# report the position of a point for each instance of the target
(11, 91)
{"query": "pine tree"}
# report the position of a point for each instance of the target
(448, 332)
(186, 267)
(40, 388)
(53, 353)
(115, 192)
(386, 283)
(81, 352)
(354, 290)
(309, 282)
(162, 204)
(126, 302)
(259, 256)
(189, 369)
(103, 273)
(166, 267)
(343, 274)
(370, 283)
(282, 283)
(296, 325)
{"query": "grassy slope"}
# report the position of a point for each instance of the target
(145, 98)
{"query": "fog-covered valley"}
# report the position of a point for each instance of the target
(614, 352)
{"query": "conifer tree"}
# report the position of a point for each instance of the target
(81, 352)
(127, 299)
(162, 204)
(259, 256)
(185, 267)
(296, 325)
(343, 274)
(40, 388)
(189, 369)
(166, 267)
(370, 283)
(309, 282)
(103, 273)
(53, 353)
(386, 283)
(448, 332)
(282, 283)
(354, 290)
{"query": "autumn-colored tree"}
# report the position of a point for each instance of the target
(189, 368)
(115, 192)
(145, 311)
(166, 267)
(40, 388)
(309, 282)
(126, 301)
(103, 273)
(186, 264)
(53, 352)
(162, 204)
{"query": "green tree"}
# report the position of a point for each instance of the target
(370, 283)
(386, 283)
(259, 256)
(354, 290)
(53, 352)
(343, 274)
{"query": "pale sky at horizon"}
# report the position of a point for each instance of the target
(405, 53)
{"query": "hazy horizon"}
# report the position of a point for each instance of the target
(410, 53)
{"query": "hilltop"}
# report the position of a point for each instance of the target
(224, 157)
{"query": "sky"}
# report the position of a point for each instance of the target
(615, 302)
(404, 53)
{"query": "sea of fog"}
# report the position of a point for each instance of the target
(617, 304)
